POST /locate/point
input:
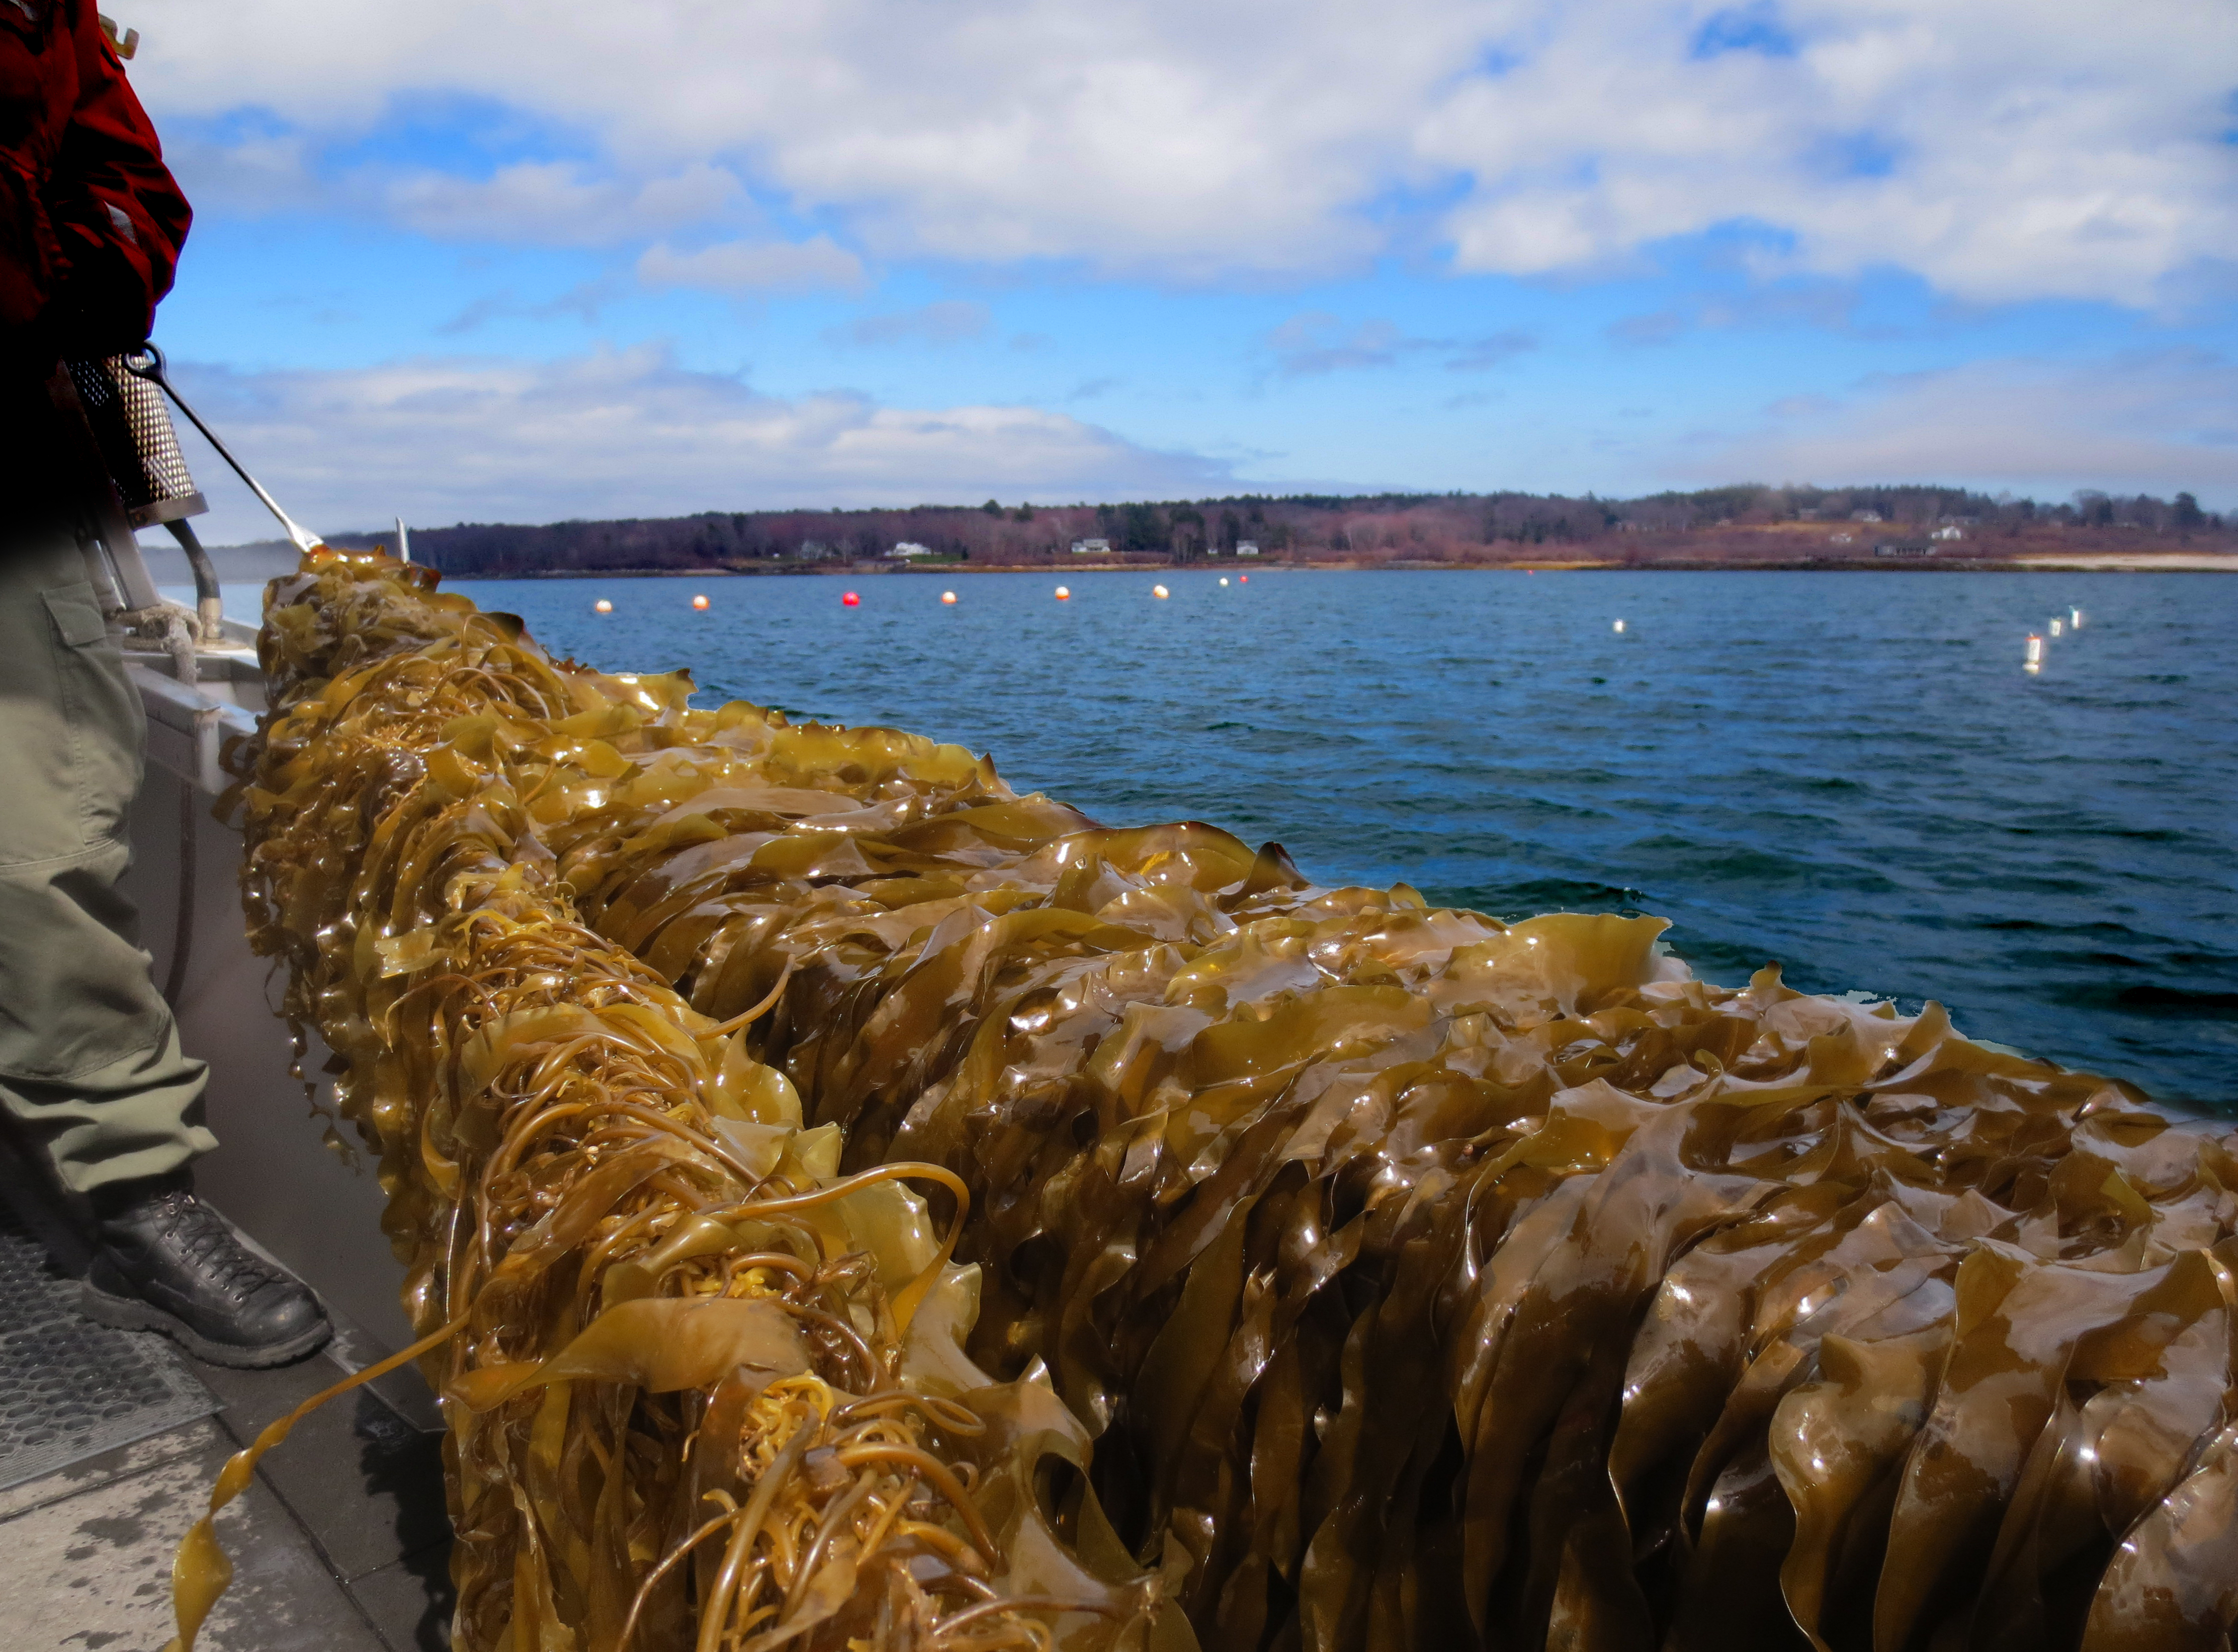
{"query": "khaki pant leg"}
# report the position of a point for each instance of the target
(90, 1059)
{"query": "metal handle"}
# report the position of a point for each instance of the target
(147, 362)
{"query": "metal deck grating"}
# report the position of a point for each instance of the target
(70, 1389)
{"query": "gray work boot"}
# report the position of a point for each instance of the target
(164, 1261)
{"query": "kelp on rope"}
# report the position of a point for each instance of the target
(1424, 1281)
(703, 1390)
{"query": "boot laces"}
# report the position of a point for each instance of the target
(209, 1245)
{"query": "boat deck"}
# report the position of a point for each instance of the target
(342, 1543)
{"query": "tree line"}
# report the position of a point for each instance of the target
(1375, 527)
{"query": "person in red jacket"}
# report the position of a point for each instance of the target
(90, 1066)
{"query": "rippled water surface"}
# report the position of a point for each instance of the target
(1848, 774)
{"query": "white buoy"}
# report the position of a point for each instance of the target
(2058, 626)
(948, 597)
(603, 606)
(1223, 579)
(2032, 658)
(1064, 593)
(1160, 592)
(1618, 626)
(2074, 619)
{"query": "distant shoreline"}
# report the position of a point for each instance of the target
(2143, 561)
(257, 563)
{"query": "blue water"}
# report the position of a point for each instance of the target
(1850, 774)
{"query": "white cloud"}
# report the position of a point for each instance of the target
(622, 433)
(554, 203)
(249, 176)
(2002, 148)
(945, 322)
(2156, 424)
(1314, 341)
(753, 267)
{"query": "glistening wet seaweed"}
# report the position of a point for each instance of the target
(1425, 1280)
(703, 1390)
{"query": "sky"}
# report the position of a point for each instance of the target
(485, 260)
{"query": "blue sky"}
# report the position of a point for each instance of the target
(478, 260)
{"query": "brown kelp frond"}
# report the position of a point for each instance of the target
(705, 1391)
(1424, 1281)
(1432, 1281)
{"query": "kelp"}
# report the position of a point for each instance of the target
(1421, 1280)
(703, 1390)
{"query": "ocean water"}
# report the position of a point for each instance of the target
(1850, 775)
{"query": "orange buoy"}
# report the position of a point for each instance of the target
(699, 603)
(1160, 591)
(603, 606)
(948, 596)
(1242, 578)
(850, 600)
(1064, 593)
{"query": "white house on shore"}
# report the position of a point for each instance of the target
(1091, 548)
(1247, 547)
(909, 550)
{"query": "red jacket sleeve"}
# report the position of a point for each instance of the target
(117, 214)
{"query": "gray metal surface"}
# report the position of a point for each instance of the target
(70, 1389)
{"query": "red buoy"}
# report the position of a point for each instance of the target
(851, 600)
